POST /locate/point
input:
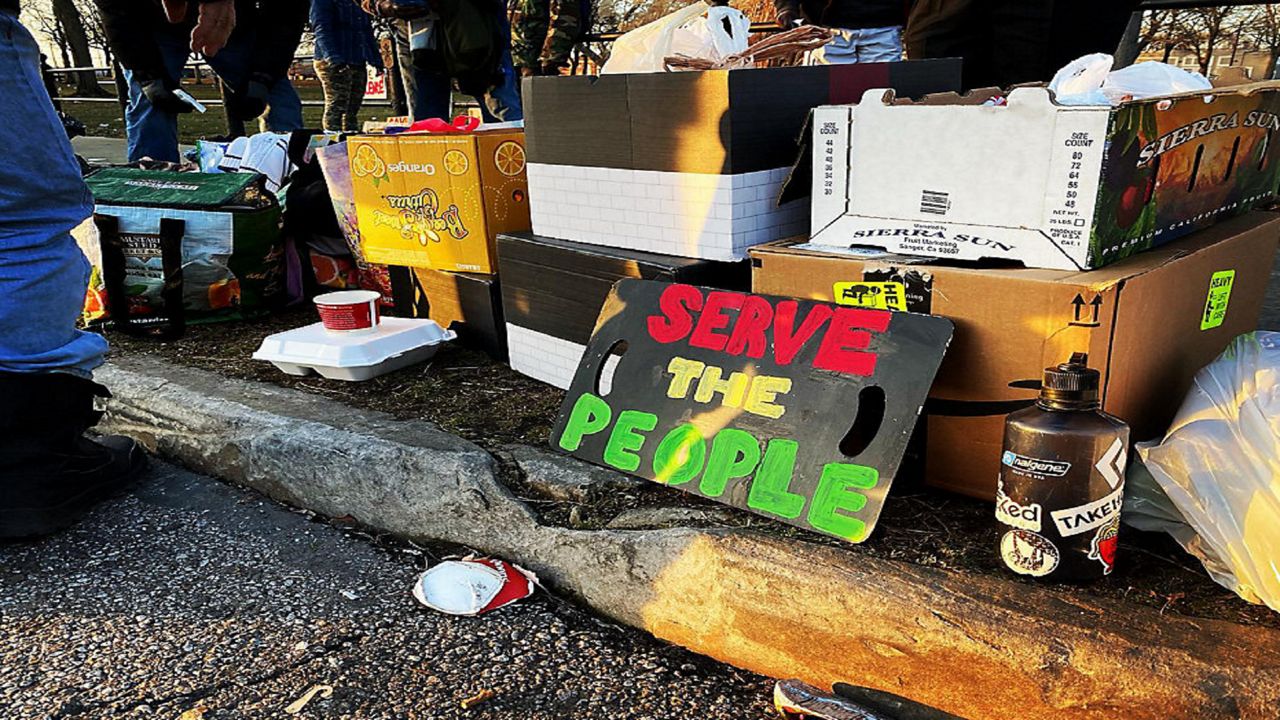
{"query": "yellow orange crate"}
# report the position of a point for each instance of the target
(439, 201)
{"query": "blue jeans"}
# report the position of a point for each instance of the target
(430, 94)
(43, 274)
(154, 133)
(869, 45)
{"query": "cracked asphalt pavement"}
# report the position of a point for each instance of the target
(187, 595)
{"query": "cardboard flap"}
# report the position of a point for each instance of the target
(976, 96)
(799, 178)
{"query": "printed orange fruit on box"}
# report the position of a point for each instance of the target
(438, 201)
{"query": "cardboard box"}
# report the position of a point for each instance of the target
(1149, 323)
(687, 163)
(552, 292)
(438, 201)
(1046, 185)
(469, 304)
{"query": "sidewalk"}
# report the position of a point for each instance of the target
(105, 150)
(975, 644)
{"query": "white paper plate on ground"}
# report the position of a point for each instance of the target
(396, 343)
(472, 585)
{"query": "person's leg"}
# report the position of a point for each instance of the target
(529, 34)
(43, 274)
(354, 99)
(428, 93)
(49, 472)
(502, 103)
(149, 131)
(325, 72)
(879, 45)
(842, 50)
(284, 107)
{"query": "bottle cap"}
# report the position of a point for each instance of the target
(1072, 384)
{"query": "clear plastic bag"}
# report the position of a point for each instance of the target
(1089, 80)
(1213, 482)
(697, 30)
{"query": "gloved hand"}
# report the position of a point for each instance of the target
(160, 93)
(787, 19)
(549, 69)
(250, 101)
(391, 9)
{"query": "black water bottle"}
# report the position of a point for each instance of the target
(1061, 480)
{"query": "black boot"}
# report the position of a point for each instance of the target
(50, 472)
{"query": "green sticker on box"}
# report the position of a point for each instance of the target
(1215, 305)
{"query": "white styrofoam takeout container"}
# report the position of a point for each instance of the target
(396, 343)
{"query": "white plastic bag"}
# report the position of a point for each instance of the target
(1214, 481)
(1079, 82)
(1089, 80)
(697, 30)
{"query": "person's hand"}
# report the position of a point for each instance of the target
(390, 9)
(786, 19)
(250, 101)
(216, 20)
(161, 97)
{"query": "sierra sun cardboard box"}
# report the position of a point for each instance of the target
(1148, 323)
(438, 201)
(687, 163)
(1065, 187)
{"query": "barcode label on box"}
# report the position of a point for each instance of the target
(934, 202)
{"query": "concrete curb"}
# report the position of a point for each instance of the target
(974, 646)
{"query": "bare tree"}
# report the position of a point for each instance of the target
(1262, 28)
(95, 30)
(1155, 30)
(1202, 29)
(1158, 30)
(77, 43)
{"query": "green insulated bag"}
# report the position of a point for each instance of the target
(184, 248)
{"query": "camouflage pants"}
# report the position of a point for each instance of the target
(343, 94)
(540, 39)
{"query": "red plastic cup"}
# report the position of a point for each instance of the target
(349, 311)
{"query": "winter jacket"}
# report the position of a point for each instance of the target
(344, 33)
(132, 26)
(847, 14)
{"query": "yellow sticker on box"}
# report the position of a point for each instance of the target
(1215, 304)
(875, 295)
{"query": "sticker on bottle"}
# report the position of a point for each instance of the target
(1103, 546)
(1015, 514)
(1215, 304)
(1028, 553)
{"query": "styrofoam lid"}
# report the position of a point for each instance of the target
(313, 345)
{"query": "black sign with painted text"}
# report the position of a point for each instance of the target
(797, 410)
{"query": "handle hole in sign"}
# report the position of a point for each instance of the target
(604, 380)
(867, 422)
